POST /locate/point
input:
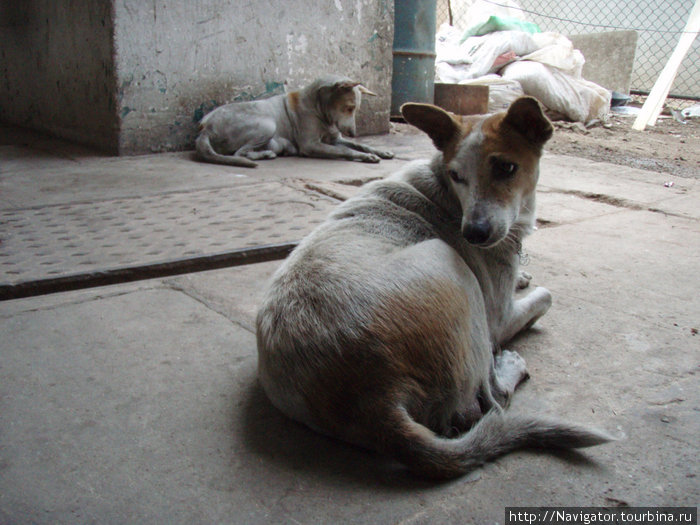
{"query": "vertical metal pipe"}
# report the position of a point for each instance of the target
(414, 53)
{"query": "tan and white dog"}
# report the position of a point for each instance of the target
(310, 122)
(383, 327)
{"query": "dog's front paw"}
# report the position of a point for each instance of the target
(370, 157)
(540, 300)
(385, 154)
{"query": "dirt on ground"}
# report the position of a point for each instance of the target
(668, 147)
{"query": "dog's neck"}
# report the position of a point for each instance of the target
(496, 268)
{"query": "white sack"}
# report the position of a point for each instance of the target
(556, 50)
(578, 99)
(502, 92)
(451, 73)
(482, 51)
(447, 48)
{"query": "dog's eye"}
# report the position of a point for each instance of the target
(503, 168)
(454, 175)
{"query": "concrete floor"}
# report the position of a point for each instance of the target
(138, 403)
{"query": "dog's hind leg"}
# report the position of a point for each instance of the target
(282, 146)
(261, 143)
(206, 152)
(508, 372)
(257, 150)
(254, 154)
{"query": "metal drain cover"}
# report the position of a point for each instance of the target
(57, 240)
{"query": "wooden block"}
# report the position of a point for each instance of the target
(462, 100)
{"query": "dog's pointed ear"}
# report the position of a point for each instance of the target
(526, 117)
(439, 125)
(345, 85)
(366, 91)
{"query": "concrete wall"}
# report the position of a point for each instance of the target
(177, 60)
(57, 69)
(130, 76)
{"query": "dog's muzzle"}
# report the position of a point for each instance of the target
(477, 232)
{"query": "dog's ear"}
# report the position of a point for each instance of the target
(366, 91)
(526, 117)
(440, 126)
(345, 85)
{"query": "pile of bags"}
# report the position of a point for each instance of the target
(513, 58)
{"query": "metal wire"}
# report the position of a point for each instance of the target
(659, 26)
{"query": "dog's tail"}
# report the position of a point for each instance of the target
(206, 152)
(497, 433)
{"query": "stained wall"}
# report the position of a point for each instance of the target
(130, 76)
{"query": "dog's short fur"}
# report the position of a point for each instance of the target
(307, 123)
(380, 328)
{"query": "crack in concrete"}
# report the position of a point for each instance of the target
(673, 401)
(617, 202)
(357, 182)
(318, 187)
(192, 294)
(325, 191)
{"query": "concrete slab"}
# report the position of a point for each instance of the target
(623, 187)
(71, 211)
(106, 417)
(233, 293)
(649, 255)
(139, 403)
(52, 241)
(609, 58)
(38, 171)
(90, 421)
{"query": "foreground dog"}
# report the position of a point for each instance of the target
(307, 123)
(379, 329)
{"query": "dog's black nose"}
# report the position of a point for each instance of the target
(477, 232)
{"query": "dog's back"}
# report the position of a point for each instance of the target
(375, 330)
(340, 334)
(228, 128)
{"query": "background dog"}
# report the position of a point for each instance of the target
(380, 328)
(307, 123)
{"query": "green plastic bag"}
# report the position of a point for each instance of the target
(500, 23)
